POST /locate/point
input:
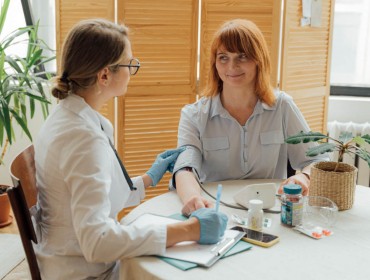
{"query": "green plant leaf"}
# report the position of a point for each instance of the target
(36, 97)
(13, 63)
(359, 140)
(366, 137)
(8, 40)
(21, 123)
(305, 137)
(364, 154)
(36, 56)
(24, 113)
(46, 60)
(4, 11)
(32, 107)
(345, 136)
(2, 61)
(1, 130)
(6, 118)
(320, 149)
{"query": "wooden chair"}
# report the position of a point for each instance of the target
(22, 196)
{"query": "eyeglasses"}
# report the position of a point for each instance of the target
(133, 66)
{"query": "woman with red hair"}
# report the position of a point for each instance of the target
(237, 129)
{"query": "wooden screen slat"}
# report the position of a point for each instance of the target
(265, 14)
(150, 128)
(306, 62)
(163, 35)
(313, 109)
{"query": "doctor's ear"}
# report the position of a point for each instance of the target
(103, 77)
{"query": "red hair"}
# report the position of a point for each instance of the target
(242, 36)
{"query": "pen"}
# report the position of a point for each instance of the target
(218, 196)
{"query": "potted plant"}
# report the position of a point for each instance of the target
(334, 180)
(23, 83)
(5, 218)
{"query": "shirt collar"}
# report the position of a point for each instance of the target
(218, 109)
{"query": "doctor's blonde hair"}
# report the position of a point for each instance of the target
(242, 36)
(89, 46)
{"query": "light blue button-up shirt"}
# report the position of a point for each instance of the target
(219, 148)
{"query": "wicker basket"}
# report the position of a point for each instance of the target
(338, 186)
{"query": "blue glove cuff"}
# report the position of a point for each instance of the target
(212, 225)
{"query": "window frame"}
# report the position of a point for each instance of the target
(356, 91)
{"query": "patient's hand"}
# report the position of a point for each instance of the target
(299, 179)
(194, 203)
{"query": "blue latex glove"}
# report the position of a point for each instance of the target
(164, 162)
(212, 225)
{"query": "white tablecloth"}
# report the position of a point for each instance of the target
(344, 255)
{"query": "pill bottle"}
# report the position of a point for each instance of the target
(292, 205)
(255, 214)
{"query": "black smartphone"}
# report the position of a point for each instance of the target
(257, 237)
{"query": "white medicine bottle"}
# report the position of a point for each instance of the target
(255, 214)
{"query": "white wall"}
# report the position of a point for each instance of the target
(345, 109)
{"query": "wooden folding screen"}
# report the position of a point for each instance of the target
(305, 64)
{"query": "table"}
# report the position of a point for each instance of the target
(344, 255)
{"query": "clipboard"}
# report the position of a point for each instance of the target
(190, 251)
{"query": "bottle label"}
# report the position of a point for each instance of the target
(291, 213)
(256, 222)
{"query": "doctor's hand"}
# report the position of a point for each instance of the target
(195, 202)
(164, 162)
(299, 179)
(212, 225)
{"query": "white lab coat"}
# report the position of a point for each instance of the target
(81, 190)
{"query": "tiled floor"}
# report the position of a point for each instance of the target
(21, 271)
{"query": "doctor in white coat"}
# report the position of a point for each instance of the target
(81, 181)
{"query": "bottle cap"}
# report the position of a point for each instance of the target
(255, 204)
(292, 189)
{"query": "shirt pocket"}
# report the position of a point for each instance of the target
(216, 153)
(271, 142)
(272, 137)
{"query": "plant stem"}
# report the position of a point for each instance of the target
(5, 148)
(336, 167)
(340, 159)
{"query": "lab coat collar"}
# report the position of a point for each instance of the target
(78, 106)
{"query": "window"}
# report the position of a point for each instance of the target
(350, 63)
(14, 20)
(42, 11)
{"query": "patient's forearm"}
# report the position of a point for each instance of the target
(186, 186)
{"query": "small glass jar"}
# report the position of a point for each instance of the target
(292, 205)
